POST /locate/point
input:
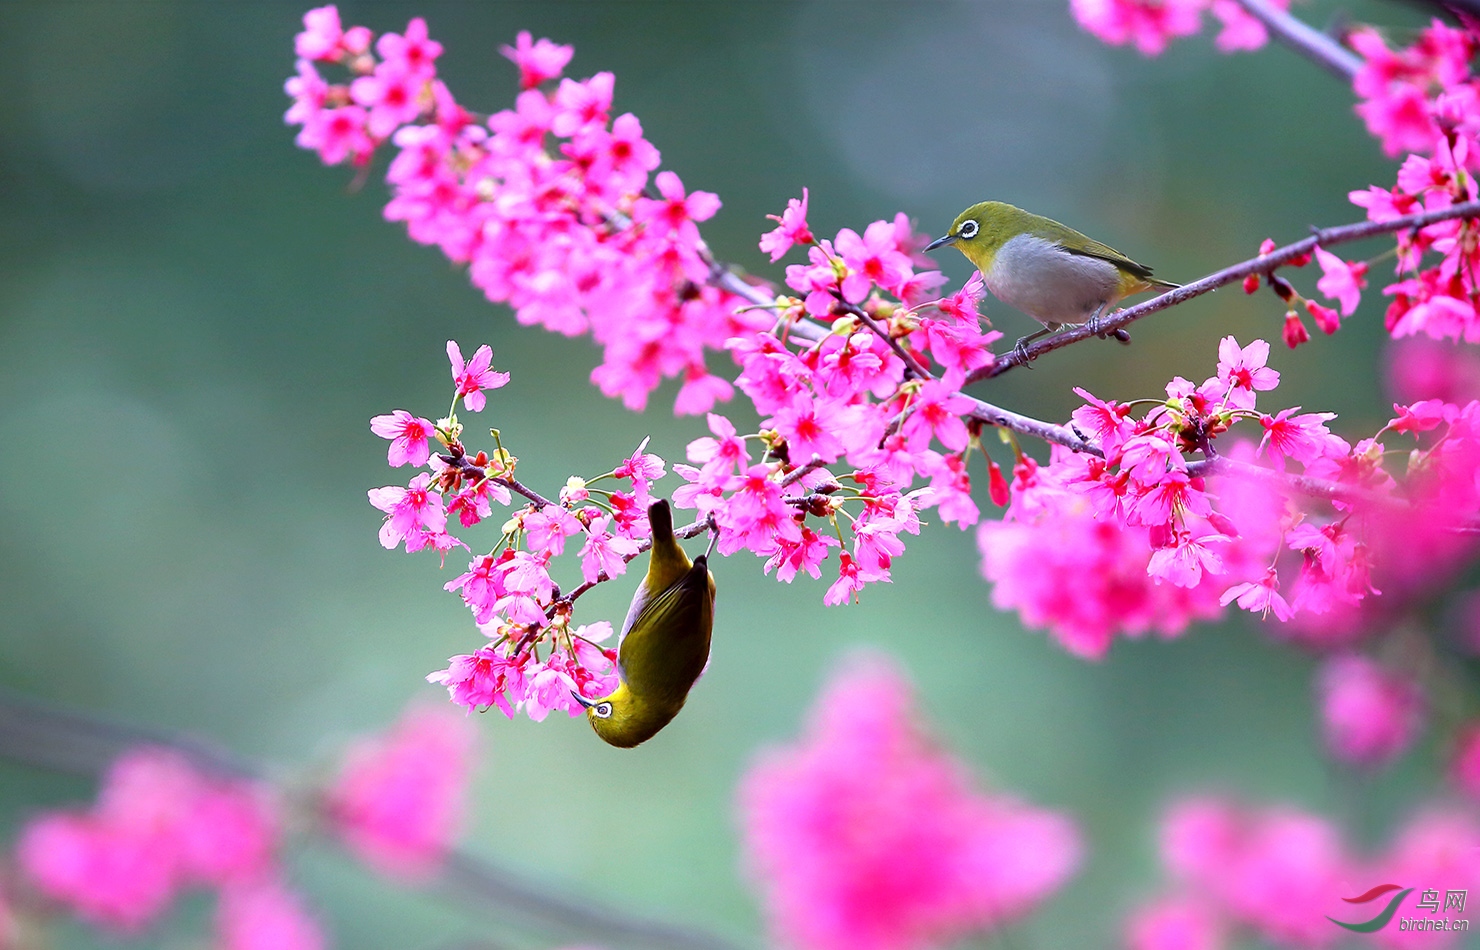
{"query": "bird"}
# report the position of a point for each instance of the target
(1047, 270)
(664, 644)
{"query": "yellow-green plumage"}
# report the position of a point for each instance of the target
(665, 641)
(1048, 270)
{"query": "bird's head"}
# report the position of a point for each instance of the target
(980, 230)
(622, 719)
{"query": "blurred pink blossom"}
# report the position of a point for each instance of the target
(158, 825)
(865, 835)
(1369, 715)
(398, 799)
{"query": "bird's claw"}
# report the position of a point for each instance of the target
(1020, 353)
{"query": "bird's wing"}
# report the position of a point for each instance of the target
(682, 608)
(1104, 252)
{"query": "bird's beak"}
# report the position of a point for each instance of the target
(941, 242)
(582, 700)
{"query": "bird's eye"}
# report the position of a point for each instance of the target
(602, 710)
(967, 230)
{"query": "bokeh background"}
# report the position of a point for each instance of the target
(197, 321)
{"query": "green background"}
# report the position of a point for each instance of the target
(197, 321)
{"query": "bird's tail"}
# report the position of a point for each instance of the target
(669, 562)
(1162, 284)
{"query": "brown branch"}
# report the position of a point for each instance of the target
(1320, 48)
(1263, 264)
(43, 736)
(531, 494)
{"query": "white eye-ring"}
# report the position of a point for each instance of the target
(968, 229)
(602, 710)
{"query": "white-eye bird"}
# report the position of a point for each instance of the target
(664, 644)
(1047, 270)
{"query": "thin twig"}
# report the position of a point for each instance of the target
(801, 471)
(912, 364)
(1320, 48)
(1263, 264)
(47, 737)
(531, 494)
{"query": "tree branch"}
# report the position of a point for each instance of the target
(1263, 264)
(44, 736)
(1320, 48)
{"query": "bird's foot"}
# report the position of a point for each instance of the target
(1020, 353)
(1093, 325)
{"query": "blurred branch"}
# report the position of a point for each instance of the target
(47, 737)
(1320, 48)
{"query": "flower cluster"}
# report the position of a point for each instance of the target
(548, 203)
(866, 835)
(1425, 100)
(1283, 875)
(1225, 528)
(160, 827)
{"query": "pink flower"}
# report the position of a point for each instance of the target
(1342, 281)
(1369, 715)
(1261, 598)
(265, 916)
(413, 52)
(538, 60)
(410, 510)
(1240, 30)
(791, 229)
(936, 411)
(398, 799)
(804, 555)
(604, 553)
(1244, 372)
(393, 96)
(547, 529)
(726, 454)
(872, 260)
(322, 35)
(1150, 24)
(864, 834)
(408, 435)
(642, 467)
(851, 580)
(1295, 332)
(678, 212)
(476, 375)
(1326, 318)
(1303, 438)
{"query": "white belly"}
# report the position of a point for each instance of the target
(1049, 284)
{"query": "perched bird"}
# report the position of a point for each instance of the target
(1051, 272)
(664, 644)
